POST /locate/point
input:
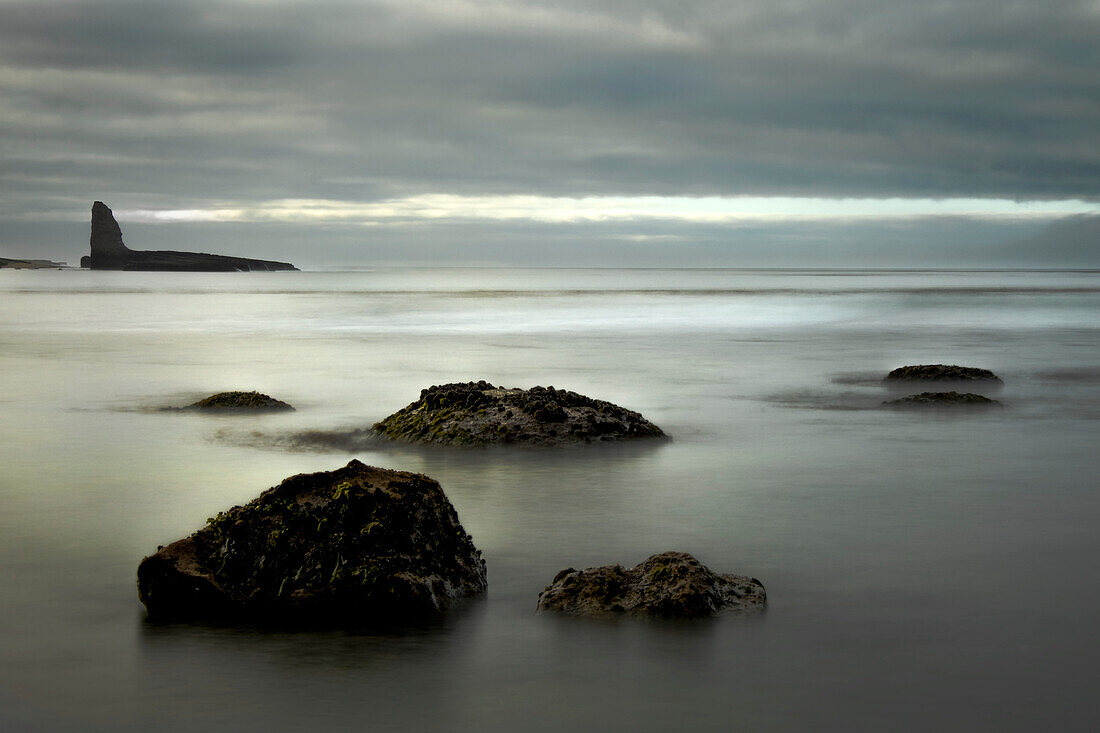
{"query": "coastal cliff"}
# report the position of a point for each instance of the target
(108, 252)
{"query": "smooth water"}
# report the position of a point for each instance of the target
(924, 571)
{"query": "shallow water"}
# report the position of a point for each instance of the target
(924, 570)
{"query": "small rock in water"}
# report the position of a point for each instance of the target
(941, 373)
(351, 546)
(669, 585)
(943, 399)
(239, 401)
(479, 413)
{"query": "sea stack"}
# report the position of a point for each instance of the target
(108, 252)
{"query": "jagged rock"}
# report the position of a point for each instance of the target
(478, 413)
(240, 401)
(941, 373)
(109, 253)
(670, 585)
(943, 399)
(351, 546)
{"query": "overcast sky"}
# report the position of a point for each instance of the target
(723, 132)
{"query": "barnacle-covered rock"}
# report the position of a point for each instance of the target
(670, 585)
(240, 401)
(943, 399)
(350, 546)
(479, 413)
(941, 373)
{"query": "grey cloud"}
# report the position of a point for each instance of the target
(164, 36)
(1073, 241)
(190, 104)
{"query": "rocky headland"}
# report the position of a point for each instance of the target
(240, 401)
(108, 252)
(943, 399)
(479, 413)
(10, 264)
(352, 546)
(667, 585)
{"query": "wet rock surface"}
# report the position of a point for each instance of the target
(240, 401)
(941, 373)
(479, 413)
(667, 585)
(351, 546)
(943, 399)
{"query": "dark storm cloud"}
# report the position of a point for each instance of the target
(156, 36)
(194, 104)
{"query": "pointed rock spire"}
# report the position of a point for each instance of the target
(106, 235)
(109, 253)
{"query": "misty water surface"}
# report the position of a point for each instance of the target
(924, 571)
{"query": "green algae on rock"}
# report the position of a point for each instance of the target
(941, 373)
(479, 413)
(240, 401)
(668, 585)
(943, 399)
(351, 546)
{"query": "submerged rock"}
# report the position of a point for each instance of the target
(478, 413)
(943, 399)
(108, 252)
(354, 545)
(670, 585)
(239, 401)
(941, 373)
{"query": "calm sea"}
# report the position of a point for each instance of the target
(924, 571)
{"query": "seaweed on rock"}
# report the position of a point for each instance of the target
(354, 545)
(240, 401)
(941, 373)
(668, 585)
(479, 413)
(943, 399)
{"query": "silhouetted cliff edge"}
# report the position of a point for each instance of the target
(109, 253)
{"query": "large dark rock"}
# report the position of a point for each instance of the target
(351, 546)
(478, 413)
(670, 585)
(941, 373)
(943, 399)
(109, 253)
(240, 401)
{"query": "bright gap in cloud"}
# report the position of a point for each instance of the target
(548, 209)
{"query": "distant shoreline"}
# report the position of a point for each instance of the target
(13, 264)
